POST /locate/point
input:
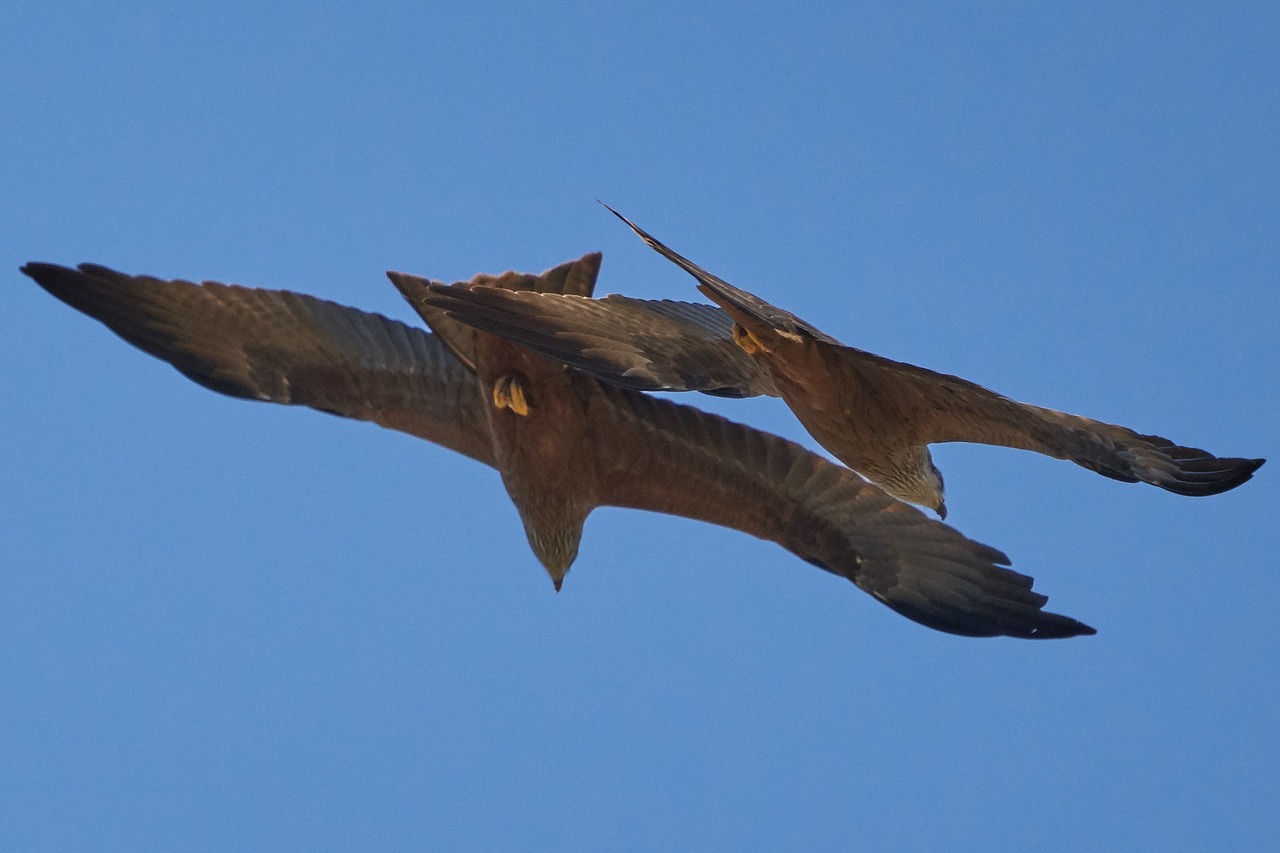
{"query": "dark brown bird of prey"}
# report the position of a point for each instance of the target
(563, 441)
(876, 415)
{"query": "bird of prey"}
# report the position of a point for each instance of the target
(876, 415)
(563, 441)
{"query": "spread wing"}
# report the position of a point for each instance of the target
(936, 407)
(285, 347)
(664, 457)
(642, 344)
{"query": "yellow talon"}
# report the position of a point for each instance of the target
(519, 404)
(508, 393)
(746, 341)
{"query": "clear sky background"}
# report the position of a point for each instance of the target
(232, 625)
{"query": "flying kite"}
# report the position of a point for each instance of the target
(563, 441)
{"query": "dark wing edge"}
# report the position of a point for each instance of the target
(284, 347)
(947, 408)
(664, 457)
(1123, 454)
(645, 345)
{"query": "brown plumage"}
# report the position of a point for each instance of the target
(563, 442)
(876, 415)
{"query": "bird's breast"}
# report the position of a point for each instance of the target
(537, 418)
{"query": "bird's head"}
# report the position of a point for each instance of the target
(554, 531)
(933, 479)
(935, 488)
(915, 479)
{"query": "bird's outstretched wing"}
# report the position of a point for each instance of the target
(664, 457)
(647, 345)
(931, 408)
(285, 347)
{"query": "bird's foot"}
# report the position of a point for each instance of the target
(746, 341)
(508, 393)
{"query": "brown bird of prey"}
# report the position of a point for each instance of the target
(876, 415)
(563, 441)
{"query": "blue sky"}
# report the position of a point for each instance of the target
(225, 624)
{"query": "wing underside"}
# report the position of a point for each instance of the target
(286, 347)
